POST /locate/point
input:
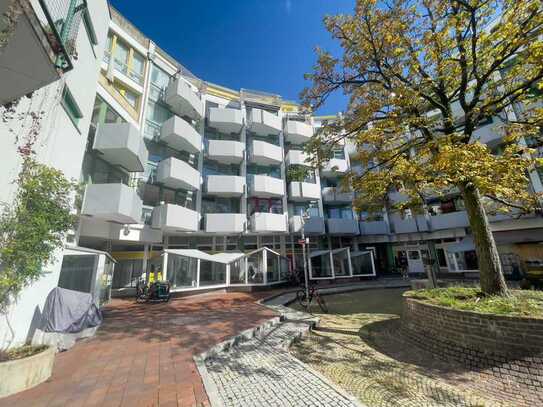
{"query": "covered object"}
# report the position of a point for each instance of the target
(69, 311)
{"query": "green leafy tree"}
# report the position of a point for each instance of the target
(33, 227)
(422, 76)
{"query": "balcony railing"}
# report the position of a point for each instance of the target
(61, 20)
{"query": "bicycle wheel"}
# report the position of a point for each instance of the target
(322, 304)
(302, 299)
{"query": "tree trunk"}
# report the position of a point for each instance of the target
(491, 275)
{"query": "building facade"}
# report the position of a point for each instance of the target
(180, 174)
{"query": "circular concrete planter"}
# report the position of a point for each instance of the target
(506, 349)
(21, 374)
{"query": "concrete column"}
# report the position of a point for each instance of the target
(145, 261)
(283, 245)
(283, 169)
(243, 167)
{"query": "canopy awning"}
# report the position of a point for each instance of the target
(224, 258)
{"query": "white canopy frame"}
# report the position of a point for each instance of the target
(335, 267)
(239, 263)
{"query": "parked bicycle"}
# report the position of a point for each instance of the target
(314, 296)
(158, 291)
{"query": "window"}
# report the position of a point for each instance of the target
(338, 153)
(103, 113)
(77, 272)
(71, 107)
(138, 68)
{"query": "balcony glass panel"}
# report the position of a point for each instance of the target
(182, 271)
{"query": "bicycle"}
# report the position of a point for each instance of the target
(313, 295)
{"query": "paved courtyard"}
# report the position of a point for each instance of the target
(142, 355)
(361, 349)
(261, 372)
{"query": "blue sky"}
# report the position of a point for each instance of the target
(264, 45)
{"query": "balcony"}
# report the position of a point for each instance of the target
(174, 218)
(264, 123)
(225, 120)
(183, 100)
(227, 186)
(489, 134)
(180, 135)
(342, 227)
(411, 225)
(112, 203)
(39, 49)
(377, 227)
(297, 157)
(313, 225)
(335, 167)
(225, 222)
(264, 186)
(265, 153)
(226, 151)
(450, 220)
(268, 222)
(177, 174)
(335, 194)
(303, 191)
(121, 144)
(298, 132)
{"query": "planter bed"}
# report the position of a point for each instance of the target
(507, 350)
(21, 374)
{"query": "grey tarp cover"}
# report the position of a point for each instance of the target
(69, 311)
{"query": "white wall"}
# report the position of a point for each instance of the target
(60, 144)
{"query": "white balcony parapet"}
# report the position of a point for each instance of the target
(264, 186)
(177, 174)
(312, 226)
(268, 222)
(411, 225)
(225, 185)
(298, 132)
(225, 222)
(376, 227)
(183, 100)
(174, 218)
(180, 135)
(226, 151)
(335, 194)
(121, 144)
(303, 191)
(226, 120)
(36, 54)
(450, 220)
(264, 123)
(297, 157)
(265, 153)
(345, 227)
(112, 203)
(335, 167)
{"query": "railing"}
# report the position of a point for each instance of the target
(61, 26)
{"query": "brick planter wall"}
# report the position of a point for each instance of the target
(507, 352)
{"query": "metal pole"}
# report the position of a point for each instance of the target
(304, 257)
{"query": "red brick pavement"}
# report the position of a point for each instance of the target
(142, 354)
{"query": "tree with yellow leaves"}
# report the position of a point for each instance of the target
(422, 76)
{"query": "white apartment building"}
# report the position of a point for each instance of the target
(199, 184)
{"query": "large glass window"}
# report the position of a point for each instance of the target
(362, 263)
(321, 266)
(212, 273)
(238, 272)
(77, 272)
(341, 263)
(220, 205)
(127, 273)
(182, 271)
(340, 212)
(265, 205)
(255, 265)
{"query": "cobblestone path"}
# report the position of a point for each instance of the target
(261, 372)
(364, 355)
